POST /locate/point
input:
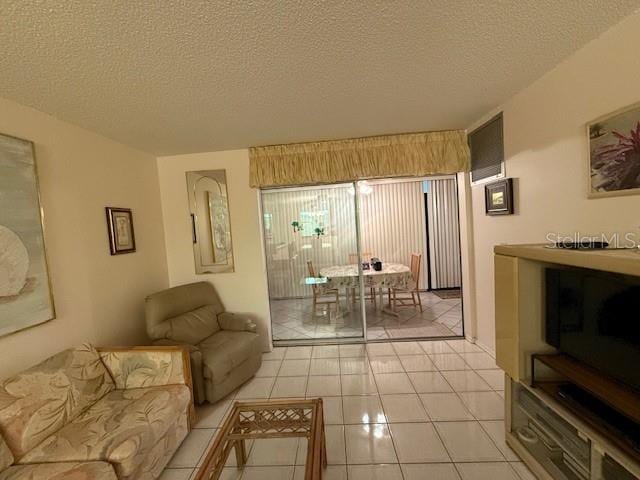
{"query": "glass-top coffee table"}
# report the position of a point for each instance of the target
(286, 418)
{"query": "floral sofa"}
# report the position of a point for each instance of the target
(96, 414)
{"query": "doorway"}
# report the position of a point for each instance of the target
(323, 245)
(398, 225)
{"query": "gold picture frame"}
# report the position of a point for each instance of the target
(26, 294)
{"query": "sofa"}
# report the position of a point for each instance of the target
(96, 414)
(225, 349)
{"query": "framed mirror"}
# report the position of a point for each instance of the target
(210, 222)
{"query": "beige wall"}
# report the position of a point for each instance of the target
(98, 298)
(546, 152)
(245, 290)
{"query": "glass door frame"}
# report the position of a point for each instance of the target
(319, 341)
(363, 302)
(443, 176)
(363, 339)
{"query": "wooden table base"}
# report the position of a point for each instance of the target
(285, 418)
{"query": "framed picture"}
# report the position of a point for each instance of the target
(25, 290)
(121, 236)
(498, 197)
(614, 153)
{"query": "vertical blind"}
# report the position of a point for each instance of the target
(444, 234)
(392, 226)
(288, 252)
(393, 223)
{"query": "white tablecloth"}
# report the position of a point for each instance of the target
(392, 275)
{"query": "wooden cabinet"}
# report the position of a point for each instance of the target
(506, 302)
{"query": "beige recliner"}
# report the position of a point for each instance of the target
(225, 349)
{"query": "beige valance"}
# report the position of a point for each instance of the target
(405, 155)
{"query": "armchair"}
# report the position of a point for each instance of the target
(225, 349)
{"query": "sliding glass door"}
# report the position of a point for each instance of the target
(412, 226)
(314, 273)
(378, 259)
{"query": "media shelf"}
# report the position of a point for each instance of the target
(610, 391)
(558, 443)
(553, 442)
(605, 404)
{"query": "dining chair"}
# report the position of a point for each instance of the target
(355, 292)
(353, 257)
(320, 291)
(414, 290)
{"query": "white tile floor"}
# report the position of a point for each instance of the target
(293, 320)
(404, 410)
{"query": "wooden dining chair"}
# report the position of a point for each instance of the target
(353, 257)
(413, 292)
(370, 293)
(319, 291)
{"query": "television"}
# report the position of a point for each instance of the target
(594, 317)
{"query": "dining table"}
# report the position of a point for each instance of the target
(391, 275)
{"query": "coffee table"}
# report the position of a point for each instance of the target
(268, 419)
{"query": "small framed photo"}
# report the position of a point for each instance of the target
(498, 197)
(121, 236)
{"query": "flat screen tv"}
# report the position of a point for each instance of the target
(594, 317)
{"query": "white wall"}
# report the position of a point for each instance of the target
(99, 298)
(546, 152)
(245, 290)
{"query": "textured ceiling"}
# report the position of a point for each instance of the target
(173, 77)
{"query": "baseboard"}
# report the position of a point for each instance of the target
(486, 349)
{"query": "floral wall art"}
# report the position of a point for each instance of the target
(25, 293)
(614, 153)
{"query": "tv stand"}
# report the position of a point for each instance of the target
(607, 405)
(561, 432)
(613, 423)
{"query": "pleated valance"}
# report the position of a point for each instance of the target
(405, 155)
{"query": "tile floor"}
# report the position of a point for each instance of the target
(393, 411)
(292, 320)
